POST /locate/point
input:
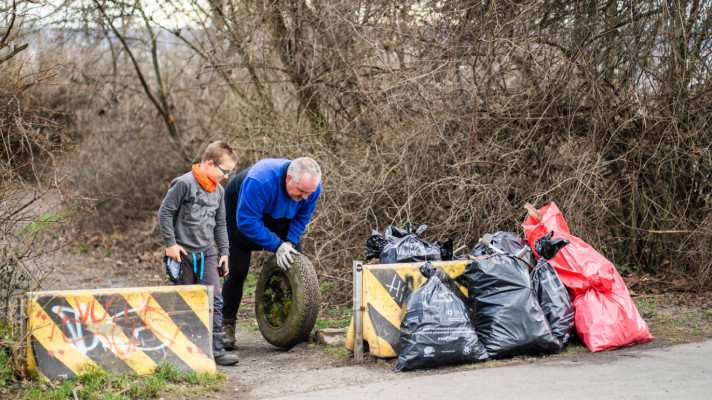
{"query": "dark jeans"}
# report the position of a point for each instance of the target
(241, 247)
(207, 266)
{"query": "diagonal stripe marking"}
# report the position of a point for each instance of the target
(377, 296)
(386, 331)
(133, 327)
(52, 367)
(396, 286)
(159, 322)
(198, 301)
(70, 321)
(53, 340)
(183, 316)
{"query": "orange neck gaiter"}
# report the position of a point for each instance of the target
(205, 182)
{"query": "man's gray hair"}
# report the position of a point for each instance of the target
(299, 166)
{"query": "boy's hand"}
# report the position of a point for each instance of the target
(223, 269)
(175, 252)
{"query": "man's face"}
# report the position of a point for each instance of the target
(219, 171)
(298, 191)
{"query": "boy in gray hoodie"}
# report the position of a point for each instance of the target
(193, 230)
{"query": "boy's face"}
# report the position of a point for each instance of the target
(219, 171)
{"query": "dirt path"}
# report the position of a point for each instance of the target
(265, 372)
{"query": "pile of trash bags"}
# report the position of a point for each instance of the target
(525, 297)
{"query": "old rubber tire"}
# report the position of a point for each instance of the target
(294, 326)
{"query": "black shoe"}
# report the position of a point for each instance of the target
(227, 359)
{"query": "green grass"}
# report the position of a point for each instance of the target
(250, 285)
(248, 325)
(326, 287)
(647, 306)
(671, 322)
(8, 342)
(334, 317)
(625, 269)
(574, 348)
(97, 384)
(708, 314)
(338, 351)
(46, 222)
(6, 373)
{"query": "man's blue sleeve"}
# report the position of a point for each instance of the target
(302, 217)
(250, 208)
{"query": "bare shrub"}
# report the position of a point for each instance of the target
(32, 133)
(449, 113)
(33, 121)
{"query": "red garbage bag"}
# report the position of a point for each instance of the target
(606, 316)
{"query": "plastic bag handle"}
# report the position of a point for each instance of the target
(532, 211)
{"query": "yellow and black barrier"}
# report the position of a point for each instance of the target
(384, 291)
(128, 330)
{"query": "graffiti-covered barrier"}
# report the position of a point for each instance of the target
(127, 330)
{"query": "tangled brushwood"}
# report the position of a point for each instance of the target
(450, 113)
(33, 124)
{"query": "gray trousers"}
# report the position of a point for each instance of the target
(201, 268)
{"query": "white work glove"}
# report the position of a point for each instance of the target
(285, 255)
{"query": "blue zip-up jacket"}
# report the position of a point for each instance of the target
(264, 192)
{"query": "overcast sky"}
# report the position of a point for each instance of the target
(169, 13)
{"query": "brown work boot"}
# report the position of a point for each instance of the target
(229, 329)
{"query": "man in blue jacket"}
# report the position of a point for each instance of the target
(268, 206)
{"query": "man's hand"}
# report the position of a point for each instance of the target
(223, 268)
(285, 255)
(175, 252)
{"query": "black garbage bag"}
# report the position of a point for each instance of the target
(408, 249)
(508, 318)
(405, 245)
(504, 243)
(447, 251)
(550, 292)
(437, 327)
(374, 245)
(547, 247)
(393, 232)
(377, 242)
